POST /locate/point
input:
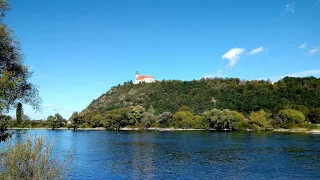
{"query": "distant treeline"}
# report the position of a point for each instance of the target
(217, 103)
(203, 104)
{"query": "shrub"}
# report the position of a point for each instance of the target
(224, 119)
(314, 116)
(186, 119)
(300, 108)
(239, 121)
(164, 119)
(33, 159)
(260, 120)
(148, 120)
(290, 118)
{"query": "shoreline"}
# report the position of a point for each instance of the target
(301, 130)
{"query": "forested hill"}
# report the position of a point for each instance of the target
(205, 94)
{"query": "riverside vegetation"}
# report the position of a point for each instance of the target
(219, 104)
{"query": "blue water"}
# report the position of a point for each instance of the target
(187, 155)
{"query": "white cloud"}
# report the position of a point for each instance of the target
(257, 50)
(217, 74)
(233, 55)
(303, 45)
(289, 8)
(315, 50)
(48, 106)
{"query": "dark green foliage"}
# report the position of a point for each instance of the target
(224, 119)
(148, 120)
(14, 75)
(300, 108)
(3, 127)
(205, 94)
(19, 113)
(75, 120)
(165, 119)
(314, 116)
(190, 101)
(115, 119)
(56, 121)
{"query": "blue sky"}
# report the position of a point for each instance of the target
(78, 49)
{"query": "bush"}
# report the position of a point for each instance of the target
(148, 120)
(290, 118)
(239, 121)
(33, 159)
(314, 116)
(300, 108)
(164, 119)
(224, 119)
(186, 119)
(260, 120)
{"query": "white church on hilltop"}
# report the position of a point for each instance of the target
(146, 79)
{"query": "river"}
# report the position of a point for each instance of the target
(186, 154)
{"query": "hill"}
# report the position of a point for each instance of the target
(205, 94)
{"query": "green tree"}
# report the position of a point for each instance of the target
(260, 120)
(165, 119)
(219, 119)
(115, 119)
(19, 113)
(95, 121)
(314, 116)
(56, 121)
(290, 118)
(186, 119)
(3, 127)
(135, 114)
(75, 120)
(238, 121)
(148, 120)
(14, 75)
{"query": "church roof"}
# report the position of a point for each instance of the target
(143, 77)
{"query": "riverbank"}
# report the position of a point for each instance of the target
(298, 130)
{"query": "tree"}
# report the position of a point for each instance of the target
(260, 120)
(148, 119)
(19, 113)
(75, 120)
(51, 122)
(3, 127)
(290, 118)
(115, 119)
(314, 116)
(95, 121)
(56, 121)
(14, 75)
(135, 114)
(165, 119)
(220, 119)
(186, 119)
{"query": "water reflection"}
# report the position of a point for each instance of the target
(187, 155)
